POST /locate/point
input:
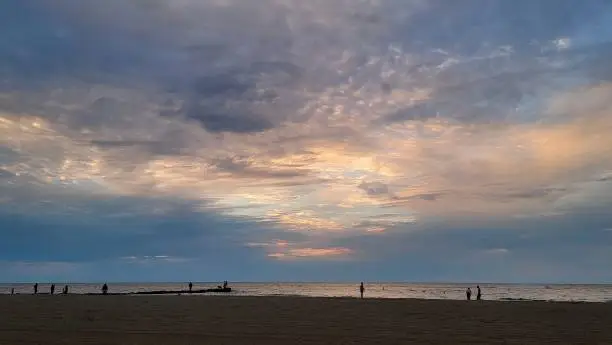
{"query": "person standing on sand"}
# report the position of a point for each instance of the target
(12, 291)
(35, 288)
(468, 294)
(52, 290)
(104, 289)
(361, 289)
(478, 293)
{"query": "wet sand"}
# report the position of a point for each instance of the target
(169, 320)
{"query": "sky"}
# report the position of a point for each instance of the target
(320, 140)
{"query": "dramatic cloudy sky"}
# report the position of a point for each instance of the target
(407, 140)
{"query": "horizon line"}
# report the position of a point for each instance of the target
(306, 282)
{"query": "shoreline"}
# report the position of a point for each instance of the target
(590, 294)
(228, 294)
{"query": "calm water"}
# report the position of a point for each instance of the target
(587, 293)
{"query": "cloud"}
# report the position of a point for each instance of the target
(374, 188)
(298, 253)
(497, 251)
(307, 120)
(281, 249)
(155, 259)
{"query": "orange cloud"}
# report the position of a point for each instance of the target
(297, 253)
(305, 220)
(283, 249)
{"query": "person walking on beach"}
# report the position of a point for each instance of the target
(468, 294)
(35, 288)
(361, 289)
(104, 289)
(478, 293)
(190, 286)
(52, 290)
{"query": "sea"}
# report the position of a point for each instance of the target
(442, 291)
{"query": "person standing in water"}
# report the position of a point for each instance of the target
(361, 289)
(35, 288)
(468, 294)
(478, 293)
(190, 286)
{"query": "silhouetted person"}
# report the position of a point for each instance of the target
(52, 290)
(35, 288)
(478, 293)
(104, 289)
(190, 286)
(65, 292)
(12, 291)
(225, 285)
(361, 289)
(468, 294)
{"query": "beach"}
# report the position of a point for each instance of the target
(169, 320)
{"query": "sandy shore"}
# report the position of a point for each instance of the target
(172, 320)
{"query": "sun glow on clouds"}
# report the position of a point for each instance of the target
(280, 249)
(311, 253)
(309, 124)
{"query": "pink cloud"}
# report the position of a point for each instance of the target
(376, 229)
(312, 252)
